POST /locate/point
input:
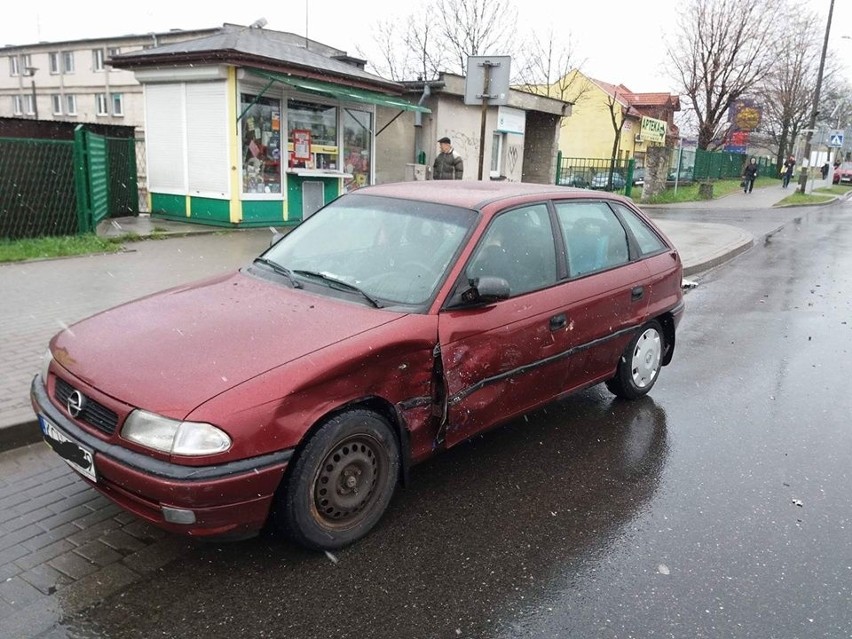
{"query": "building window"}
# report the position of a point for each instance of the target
(357, 137)
(17, 105)
(71, 104)
(97, 59)
(113, 51)
(53, 60)
(67, 62)
(117, 104)
(30, 104)
(102, 105)
(28, 62)
(496, 154)
(261, 144)
(56, 100)
(14, 65)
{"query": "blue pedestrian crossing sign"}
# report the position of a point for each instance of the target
(835, 138)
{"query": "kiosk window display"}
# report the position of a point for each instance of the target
(261, 144)
(312, 136)
(357, 136)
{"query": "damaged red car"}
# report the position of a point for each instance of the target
(394, 323)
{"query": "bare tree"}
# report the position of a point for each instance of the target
(787, 90)
(422, 41)
(617, 113)
(545, 65)
(392, 60)
(441, 37)
(723, 49)
(476, 27)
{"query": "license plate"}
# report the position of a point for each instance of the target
(75, 455)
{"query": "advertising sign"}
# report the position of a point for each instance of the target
(653, 130)
(511, 120)
(301, 144)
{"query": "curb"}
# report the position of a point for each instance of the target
(20, 434)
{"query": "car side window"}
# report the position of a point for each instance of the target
(594, 238)
(649, 242)
(518, 247)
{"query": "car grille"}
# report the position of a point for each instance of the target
(93, 413)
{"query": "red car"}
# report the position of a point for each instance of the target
(396, 322)
(842, 173)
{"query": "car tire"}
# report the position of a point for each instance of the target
(341, 482)
(639, 366)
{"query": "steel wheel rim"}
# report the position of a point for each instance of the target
(646, 358)
(346, 484)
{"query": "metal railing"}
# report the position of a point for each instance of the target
(602, 174)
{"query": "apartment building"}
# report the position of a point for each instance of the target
(74, 80)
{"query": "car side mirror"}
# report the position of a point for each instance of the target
(483, 290)
(276, 237)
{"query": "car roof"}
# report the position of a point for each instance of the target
(469, 193)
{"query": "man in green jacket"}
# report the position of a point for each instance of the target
(448, 164)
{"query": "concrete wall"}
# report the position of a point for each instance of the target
(541, 145)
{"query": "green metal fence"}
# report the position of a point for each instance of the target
(64, 187)
(685, 166)
(699, 165)
(595, 173)
(37, 193)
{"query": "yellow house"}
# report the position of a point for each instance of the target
(590, 132)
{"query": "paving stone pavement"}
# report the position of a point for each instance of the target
(64, 547)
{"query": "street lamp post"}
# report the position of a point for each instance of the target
(31, 71)
(803, 178)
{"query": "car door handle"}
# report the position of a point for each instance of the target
(558, 321)
(637, 293)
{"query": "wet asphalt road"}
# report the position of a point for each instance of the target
(718, 507)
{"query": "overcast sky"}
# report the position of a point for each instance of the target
(618, 45)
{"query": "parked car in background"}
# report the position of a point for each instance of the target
(601, 181)
(639, 176)
(394, 323)
(842, 173)
(578, 180)
(685, 175)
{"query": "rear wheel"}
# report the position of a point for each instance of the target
(341, 482)
(640, 363)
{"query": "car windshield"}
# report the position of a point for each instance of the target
(393, 251)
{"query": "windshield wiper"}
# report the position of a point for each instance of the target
(335, 282)
(281, 270)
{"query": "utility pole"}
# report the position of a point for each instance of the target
(803, 178)
(31, 71)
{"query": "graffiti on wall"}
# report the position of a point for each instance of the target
(513, 156)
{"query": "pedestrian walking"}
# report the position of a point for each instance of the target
(787, 173)
(824, 170)
(448, 164)
(749, 176)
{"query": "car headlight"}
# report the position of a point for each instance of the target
(173, 436)
(45, 365)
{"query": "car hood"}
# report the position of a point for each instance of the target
(171, 351)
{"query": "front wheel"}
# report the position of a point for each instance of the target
(640, 364)
(341, 482)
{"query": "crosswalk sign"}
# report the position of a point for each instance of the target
(835, 138)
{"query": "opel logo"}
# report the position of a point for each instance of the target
(76, 402)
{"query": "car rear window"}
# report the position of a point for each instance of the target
(649, 242)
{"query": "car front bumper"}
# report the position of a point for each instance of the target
(230, 499)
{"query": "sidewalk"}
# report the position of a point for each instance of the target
(62, 545)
